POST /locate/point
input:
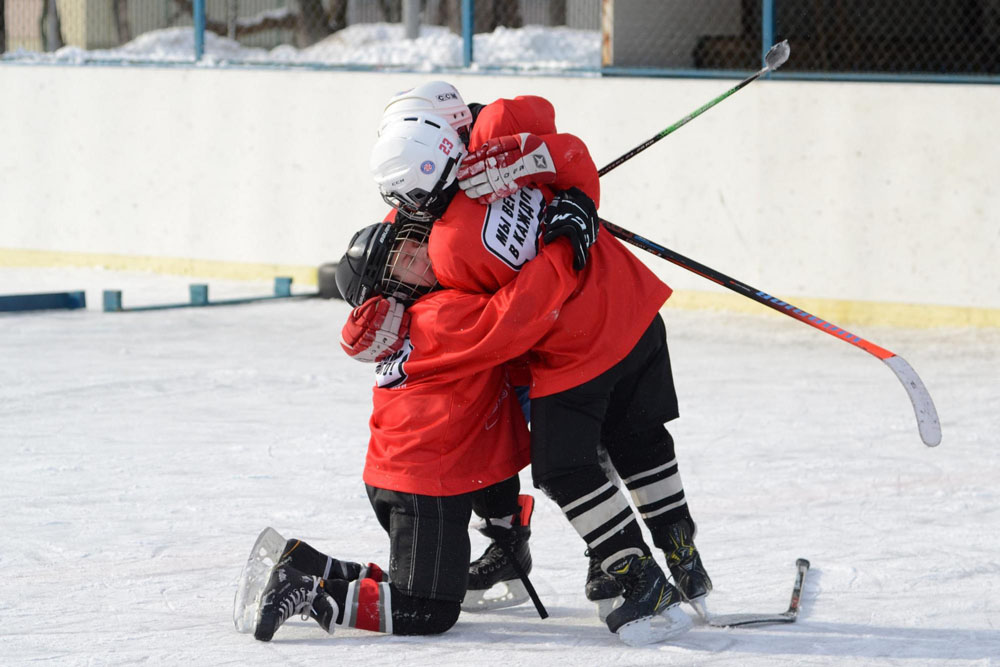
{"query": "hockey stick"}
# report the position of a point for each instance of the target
(923, 406)
(775, 58)
(789, 616)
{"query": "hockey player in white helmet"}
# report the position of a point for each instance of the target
(438, 98)
(479, 249)
(511, 123)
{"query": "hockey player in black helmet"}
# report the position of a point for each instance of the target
(496, 577)
(446, 432)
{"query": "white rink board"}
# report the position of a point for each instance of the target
(852, 191)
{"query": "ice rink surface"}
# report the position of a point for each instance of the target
(143, 452)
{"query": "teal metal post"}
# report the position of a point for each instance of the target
(199, 294)
(112, 301)
(199, 28)
(468, 22)
(766, 29)
(282, 286)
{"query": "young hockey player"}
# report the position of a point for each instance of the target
(445, 427)
(601, 374)
(371, 332)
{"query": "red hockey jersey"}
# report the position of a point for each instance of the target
(445, 419)
(481, 248)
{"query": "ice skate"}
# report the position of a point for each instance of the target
(493, 581)
(290, 592)
(601, 588)
(264, 556)
(650, 609)
(686, 567)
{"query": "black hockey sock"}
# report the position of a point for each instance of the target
(598, 511)
(305, 558)
(498, 500)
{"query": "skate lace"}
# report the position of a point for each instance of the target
(298, 600)
(631, 584)
(635, 578)
(494, 559)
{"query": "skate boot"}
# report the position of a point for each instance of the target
(685, 565)
(308, 560)
(495, 568)
(601, 588)
(290, 592)
(650, 611)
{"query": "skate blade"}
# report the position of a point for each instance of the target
(700, 608)
(263, 557)
(505, 594)
(606, 606)
(652, 629)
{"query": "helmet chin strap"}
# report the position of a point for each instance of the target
(439, 187)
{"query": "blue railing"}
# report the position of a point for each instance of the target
(825, 46)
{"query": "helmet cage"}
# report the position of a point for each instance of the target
(408, 274)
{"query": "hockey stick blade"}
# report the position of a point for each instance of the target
(788, 616)
(927, 419)
(777, 55)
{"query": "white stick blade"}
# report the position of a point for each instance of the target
(923, 406)
(777, 55)
(736, 620)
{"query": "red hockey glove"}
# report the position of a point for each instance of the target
(504, 165)
(375, 329)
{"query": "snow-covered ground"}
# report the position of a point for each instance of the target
(532, 48)
(143, 452)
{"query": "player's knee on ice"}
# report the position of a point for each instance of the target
(422, 616)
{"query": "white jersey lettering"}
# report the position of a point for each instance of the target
(512, 227)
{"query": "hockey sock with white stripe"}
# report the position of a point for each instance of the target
(597, 510)
(649, 470)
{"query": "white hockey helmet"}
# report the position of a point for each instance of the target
(414, 161)
(435, 97)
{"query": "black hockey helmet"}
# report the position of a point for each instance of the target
(389, 259)
(359, 271)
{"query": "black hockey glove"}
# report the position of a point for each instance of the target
(572, 214)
